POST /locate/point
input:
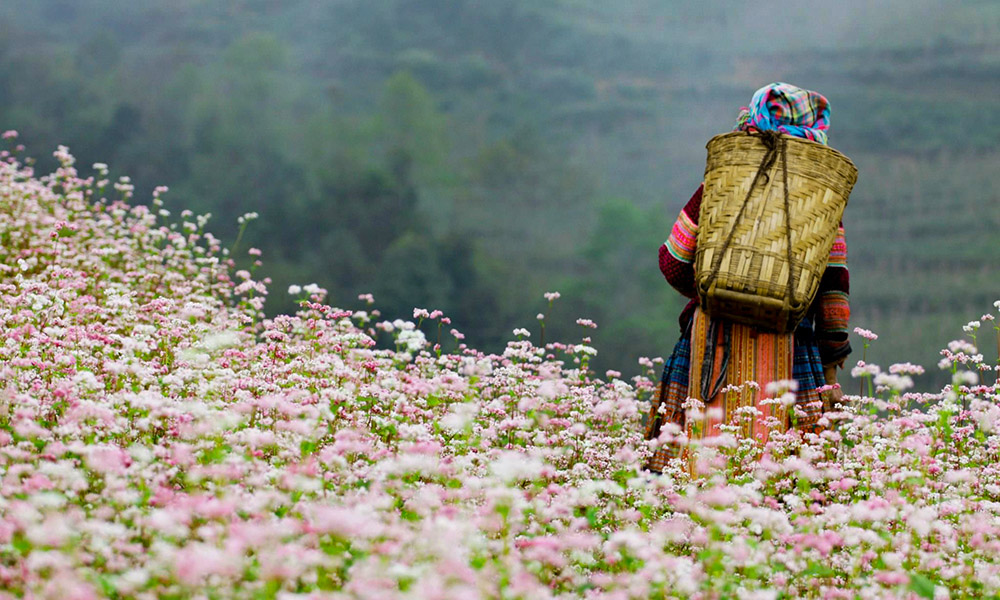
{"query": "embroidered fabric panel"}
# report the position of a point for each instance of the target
(677, 253)
(832, 317)
(832, 304)
(838, 253)
(681, 243)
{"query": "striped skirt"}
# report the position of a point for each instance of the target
(720, 367)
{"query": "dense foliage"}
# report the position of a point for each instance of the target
(433, 151)
(161, 438)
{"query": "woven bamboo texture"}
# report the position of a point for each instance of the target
(753, 281)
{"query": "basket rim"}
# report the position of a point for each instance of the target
(785, 136)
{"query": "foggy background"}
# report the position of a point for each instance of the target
(469, 155)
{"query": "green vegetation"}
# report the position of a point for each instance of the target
(468, 156)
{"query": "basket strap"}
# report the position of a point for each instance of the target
(711, 382)
(792, 276)
(775, 145)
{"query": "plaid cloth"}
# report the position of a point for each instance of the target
(668, 408)
(807, 370)
(788, 109)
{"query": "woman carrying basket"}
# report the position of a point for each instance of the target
(715, 358)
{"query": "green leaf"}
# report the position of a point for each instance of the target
(646, 511)
(409, 515)
(307, 447)
(334, 546)
(405, 583)
(816, 569)
(324, 581)
(921, 586)
(21, 544)
(106, 587)
(215, 454)
(269, 591)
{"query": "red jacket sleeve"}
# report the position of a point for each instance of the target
(833, 308)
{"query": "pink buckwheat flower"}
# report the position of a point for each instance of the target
(866, 334)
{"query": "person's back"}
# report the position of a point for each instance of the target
(708, 375)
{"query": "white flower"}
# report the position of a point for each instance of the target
(460, 416)
(965, 378)
(906, 369)
(87, 380)
(782, 385)
(294, 290)
(220, 340)
(511, 467)
(864, 369)
(132, 580)
(116, 299)
(894, 382)
(971, 327)
(413, 339)
(962, 346)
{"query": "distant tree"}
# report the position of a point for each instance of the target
(374, 205)
(412, 132)
(99, 54)
(621, 287)
(410, 274)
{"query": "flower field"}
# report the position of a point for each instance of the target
(161, 438)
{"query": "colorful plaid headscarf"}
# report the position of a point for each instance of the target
(788, 109)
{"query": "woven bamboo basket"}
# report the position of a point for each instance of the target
(742, 257)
